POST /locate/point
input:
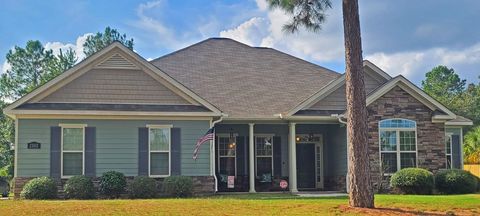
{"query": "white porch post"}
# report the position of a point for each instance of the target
(251, 158)
(292, 158)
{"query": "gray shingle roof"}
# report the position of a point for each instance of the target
(245, 81)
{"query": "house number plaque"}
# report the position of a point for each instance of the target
(33, 145)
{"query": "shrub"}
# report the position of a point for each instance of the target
(455, 181)
(178, 186)
(40, 188)
(79, 187)
(112, 184)
(412, 181)
(142, 187)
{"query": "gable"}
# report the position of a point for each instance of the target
(440, 111)
(399, 100)
(337, 100)
(333, 97)
(118, 86)
(113, 76)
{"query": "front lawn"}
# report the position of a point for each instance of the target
(266, 204)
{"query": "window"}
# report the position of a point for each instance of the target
(227, 155)
(73, 145)
(398, 144)
(264, 157)
(448, 146)
(159, 150)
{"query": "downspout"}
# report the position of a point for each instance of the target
(339, 117)
(212, 161)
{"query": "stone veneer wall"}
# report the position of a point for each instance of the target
(202, 185)
(335, 183)
(397, 103)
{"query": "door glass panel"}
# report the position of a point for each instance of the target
(227, 166)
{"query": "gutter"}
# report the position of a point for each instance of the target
(212, 161)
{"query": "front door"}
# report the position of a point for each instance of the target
(306, 166)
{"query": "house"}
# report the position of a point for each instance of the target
(277, 117)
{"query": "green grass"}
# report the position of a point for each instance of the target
(247, 204)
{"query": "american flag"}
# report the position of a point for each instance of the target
(210, 135)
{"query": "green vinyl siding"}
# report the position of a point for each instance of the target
(116, 145)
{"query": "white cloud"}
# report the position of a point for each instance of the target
(414, 64)
(262, 4)
(163, 35)
(251, 32)
(323, 46)
(77, 47)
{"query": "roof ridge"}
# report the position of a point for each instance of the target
(198, 43)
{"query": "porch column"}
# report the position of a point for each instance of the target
(292, 158)
(251, 158)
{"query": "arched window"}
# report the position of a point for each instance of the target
(398, 144)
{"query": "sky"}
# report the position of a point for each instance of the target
(401, 37)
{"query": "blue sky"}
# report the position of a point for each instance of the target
(401, 37)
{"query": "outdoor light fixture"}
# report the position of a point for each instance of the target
(232, 139)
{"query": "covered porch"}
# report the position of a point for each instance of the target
(257, 156)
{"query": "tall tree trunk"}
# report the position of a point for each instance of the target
(360, 189)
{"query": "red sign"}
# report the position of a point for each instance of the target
(231, 182)
(283, 184)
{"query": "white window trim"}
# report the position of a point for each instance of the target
(62, 126)
(226, 156)
(397, 151)
(263, 156)
(169, 151)
(449, 136)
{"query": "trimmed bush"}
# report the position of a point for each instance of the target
(412, 181)
(455, 181)
(178, 186)
(142, 187)
(40, 188)
(112, 184)
(79, 187)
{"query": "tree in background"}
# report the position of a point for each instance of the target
(28, 67)
(100, 40)
(63, 61)
(7, 136)
(472, 146)
(33, 66)
(310, 14)
(467, 103)
(443, 84)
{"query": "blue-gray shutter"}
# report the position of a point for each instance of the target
(277, 156)
(55, 151)
(176, 142)
(90, 146)
(241, 156)
(143, 151)
(456, 152)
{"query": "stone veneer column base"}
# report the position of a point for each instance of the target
(335, 183)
